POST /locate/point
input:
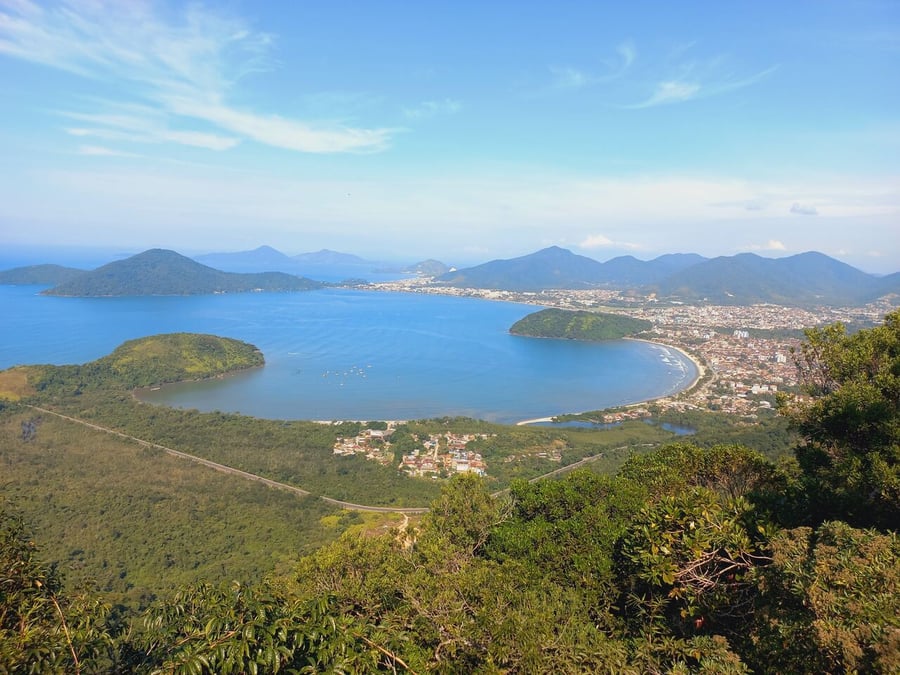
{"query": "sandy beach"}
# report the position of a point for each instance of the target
(698, 365)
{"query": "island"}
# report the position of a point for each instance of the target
(162, 272)
(578, 325)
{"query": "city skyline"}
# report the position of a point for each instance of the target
(458, 131)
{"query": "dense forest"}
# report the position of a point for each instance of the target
(690, 559)
(578, 325)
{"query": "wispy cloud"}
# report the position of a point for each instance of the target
(771, 245)
(180, 67)
(799, 209)
(102, 151)
(427, 109)
(571, 77)
(597, 241)
(696, 80)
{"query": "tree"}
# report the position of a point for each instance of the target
(850, 424)
(43, 630)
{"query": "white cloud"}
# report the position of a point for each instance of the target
(427, 109)
(804, 209)
(696, 80)
(101, 151)
(771, 245)
(596, 241)
(570, 78)
(182, 65)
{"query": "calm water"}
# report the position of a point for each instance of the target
(345, 354)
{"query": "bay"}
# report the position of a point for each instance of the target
(353, 354)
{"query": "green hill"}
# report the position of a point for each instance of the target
(162, 272)
(561, 323)
(39, 274)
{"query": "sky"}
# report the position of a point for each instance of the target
(464, 131)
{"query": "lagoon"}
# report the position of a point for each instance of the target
(354, 354)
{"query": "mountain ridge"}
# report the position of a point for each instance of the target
(165, 272)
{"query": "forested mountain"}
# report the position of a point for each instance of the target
(162, 272)
(807, 278)
(803, 279)
(39, 274)
(552, 267)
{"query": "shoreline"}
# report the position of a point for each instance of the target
(699, 366)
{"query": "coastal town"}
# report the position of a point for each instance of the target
(437, 455)
(744, 354)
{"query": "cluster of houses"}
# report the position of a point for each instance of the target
(440, 455)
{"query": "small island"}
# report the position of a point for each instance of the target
(578, 325)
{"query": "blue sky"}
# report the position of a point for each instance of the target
(461, 130)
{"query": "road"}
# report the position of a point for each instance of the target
(350, 506)
(232, 471)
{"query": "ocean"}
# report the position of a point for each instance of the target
(353, 354)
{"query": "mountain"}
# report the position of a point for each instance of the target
(552, 267)
(39, 274)
(806, 278)
(628, 271)
(162, 272)
(428, 268)
(262, 259)
(326, 257)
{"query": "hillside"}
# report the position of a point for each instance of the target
(806, 278)
(39, 274)
(592, 326)
(552, 267)
(163, 272)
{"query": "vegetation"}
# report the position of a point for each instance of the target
(690, 559)
(160, 272)
(578, 325)
(39, 274)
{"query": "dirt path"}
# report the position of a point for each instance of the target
(231, 470)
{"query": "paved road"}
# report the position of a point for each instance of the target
(231, 470)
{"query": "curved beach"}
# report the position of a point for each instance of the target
(699, 367)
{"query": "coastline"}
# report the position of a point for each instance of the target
(699, 366)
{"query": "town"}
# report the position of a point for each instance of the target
(439, 455)
(743, 353)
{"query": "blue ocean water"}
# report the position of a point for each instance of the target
(353, 354)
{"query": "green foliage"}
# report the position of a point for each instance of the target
(578, 325)
(729, 470)
(41, 630)
(830, 603)
(688, 560)
(851, 426)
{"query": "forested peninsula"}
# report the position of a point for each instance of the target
(690, 558)
(578, 325)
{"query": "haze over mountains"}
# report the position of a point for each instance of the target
(804, 279)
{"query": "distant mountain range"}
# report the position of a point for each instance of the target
(268, 259)
(162, 272)
(557, 267)
(803, 279)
